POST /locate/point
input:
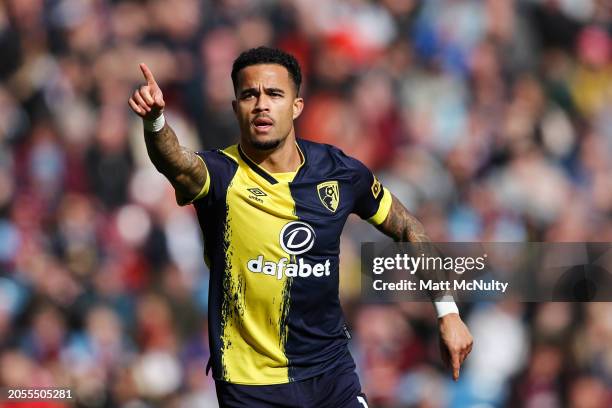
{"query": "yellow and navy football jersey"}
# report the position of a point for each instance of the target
(272, 244)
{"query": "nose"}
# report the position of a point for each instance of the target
(262, 104)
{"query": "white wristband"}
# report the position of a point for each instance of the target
(154, 125)
(446, 307)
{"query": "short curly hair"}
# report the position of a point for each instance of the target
(267, 55)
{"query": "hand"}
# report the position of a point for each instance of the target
(148, 100)
(455, 342)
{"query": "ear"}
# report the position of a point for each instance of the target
(298, 106)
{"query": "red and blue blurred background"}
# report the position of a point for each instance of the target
(491, 120)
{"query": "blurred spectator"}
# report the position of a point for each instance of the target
(491, 121)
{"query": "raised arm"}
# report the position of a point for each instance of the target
(455, 338)
(181, 166)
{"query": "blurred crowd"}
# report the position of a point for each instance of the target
(491, 120)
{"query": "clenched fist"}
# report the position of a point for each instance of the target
(148, 100)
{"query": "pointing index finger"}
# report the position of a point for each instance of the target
(456, 366)
(147, 74)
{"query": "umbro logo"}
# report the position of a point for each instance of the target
(257, 192)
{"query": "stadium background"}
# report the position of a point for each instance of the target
(491, 120)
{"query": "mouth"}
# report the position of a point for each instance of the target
(263, 124)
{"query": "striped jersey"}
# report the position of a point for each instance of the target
(271, 243)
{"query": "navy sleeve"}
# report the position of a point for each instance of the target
(220, 170)
(372, 201)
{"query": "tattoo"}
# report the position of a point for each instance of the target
(401, 225)
(181, 166)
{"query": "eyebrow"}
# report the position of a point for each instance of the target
(255, 91)
(275, 90)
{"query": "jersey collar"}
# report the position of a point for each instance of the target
(264, 173)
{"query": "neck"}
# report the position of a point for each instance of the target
(283, 159)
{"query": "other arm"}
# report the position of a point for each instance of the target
(401, 225)
(455, 338)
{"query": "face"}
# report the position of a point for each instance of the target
(266, 105)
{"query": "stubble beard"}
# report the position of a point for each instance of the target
(267, 145)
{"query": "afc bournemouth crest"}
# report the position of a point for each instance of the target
(329, 194)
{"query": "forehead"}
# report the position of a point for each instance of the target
(266, 75)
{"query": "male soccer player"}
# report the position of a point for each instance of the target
(272, 209)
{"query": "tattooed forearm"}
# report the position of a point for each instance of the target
(181, 166)
(401, 225)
